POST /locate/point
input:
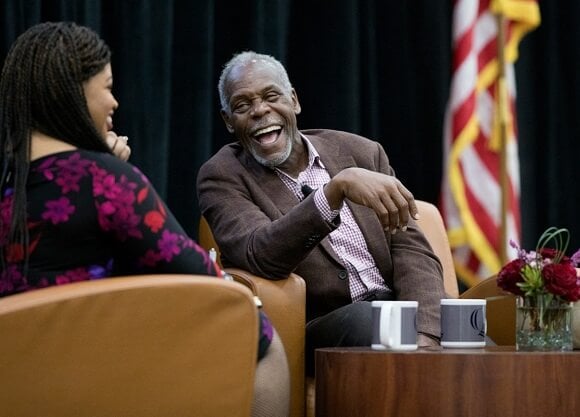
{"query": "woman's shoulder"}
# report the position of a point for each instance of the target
(80, 162)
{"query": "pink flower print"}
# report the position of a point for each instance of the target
(150, 259)
(107, 208)
(74, 165)
(68, 182)
(121, 219)
(46, 168)
(126, 223)
(58, 211)
(98, 173)
(168, 245)
(70, 172)
(62, 279)
(127, 196)
(107, 187)
(73, 275)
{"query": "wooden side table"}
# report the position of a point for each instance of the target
(492, 381)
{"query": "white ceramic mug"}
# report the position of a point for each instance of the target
(394, 325)
(463, 323)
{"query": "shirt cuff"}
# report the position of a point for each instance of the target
(323, 207)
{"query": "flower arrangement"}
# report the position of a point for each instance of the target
(546, 283)
(545, 271)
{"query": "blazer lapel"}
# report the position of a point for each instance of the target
(282, 197)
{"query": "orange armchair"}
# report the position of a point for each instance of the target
(284, 301)
(142, 346)
(281, 300)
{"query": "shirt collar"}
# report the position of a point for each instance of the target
(313, 156)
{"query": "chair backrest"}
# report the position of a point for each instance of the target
(164, 345)
(432, 226)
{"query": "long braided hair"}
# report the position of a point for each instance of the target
(41, 88)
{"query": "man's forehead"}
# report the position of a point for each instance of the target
(253, 71)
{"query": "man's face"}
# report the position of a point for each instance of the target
(261, 114)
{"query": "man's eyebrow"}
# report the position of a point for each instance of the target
(267, 88)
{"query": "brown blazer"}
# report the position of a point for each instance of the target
(261, 226)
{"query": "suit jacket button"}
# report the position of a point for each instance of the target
(342, 274)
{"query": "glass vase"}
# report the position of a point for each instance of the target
(543, 323)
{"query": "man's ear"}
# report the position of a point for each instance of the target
(295, 102)
(227, 121)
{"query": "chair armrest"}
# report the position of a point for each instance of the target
(500, 310)
(284, 302)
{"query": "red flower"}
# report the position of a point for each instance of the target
(154, 220)
(560, 279)
(510, 275)
(549, 253)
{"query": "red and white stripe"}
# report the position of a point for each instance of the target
(471, 192)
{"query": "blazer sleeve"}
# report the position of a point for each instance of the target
(416, 271)
(258, 224)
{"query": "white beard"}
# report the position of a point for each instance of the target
(271, 163)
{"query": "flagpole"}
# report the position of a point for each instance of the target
(502, 108)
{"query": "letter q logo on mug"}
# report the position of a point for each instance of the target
(394, 325)
(463, 323)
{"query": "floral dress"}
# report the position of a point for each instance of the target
(93, 216)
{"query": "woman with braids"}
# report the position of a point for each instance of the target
(69, 209)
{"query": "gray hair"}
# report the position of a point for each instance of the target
(245, 58)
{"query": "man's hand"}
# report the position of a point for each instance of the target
(118, 145)
(385, 194)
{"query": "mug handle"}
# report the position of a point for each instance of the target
(386, 331)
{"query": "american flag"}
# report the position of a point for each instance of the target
(471, 196)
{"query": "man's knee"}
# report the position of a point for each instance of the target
(357, 326)
(349, 325)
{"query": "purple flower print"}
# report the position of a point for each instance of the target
(58, 211)
(119, 218)
(126, 223)
(168, 245)
(70, 172)
(11, 280)
(100, 271)
(74, 166)
(267, 329)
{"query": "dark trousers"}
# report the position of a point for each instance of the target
(350, 325)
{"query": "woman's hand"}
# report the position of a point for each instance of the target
(118, 145)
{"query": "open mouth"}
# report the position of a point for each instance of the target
(267, 135)
(109, 123)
